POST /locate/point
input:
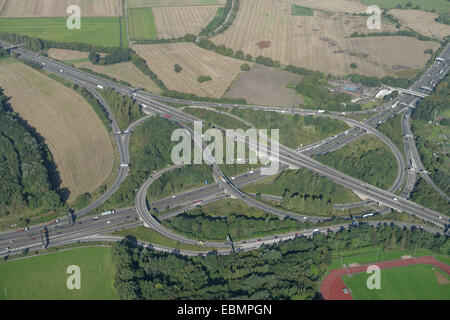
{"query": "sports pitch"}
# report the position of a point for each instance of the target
(99, 31)
(415, 282)
(44, 277)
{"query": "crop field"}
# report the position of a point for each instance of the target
(195, 62)
(440, 6)
(45, 277)
(141, 23)
(266, 86)
(321, 42)
(422, 22)
(67, 55)
(174, 22)
(125, 71)
(100, 31)
(415, 282)
(350, 6)
(80, 144)
(172, 3)
(57, 8)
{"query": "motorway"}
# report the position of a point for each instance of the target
(287, 156)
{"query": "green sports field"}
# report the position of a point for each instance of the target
(100, 31)
(44, 277)
(416, 282)
(440, 6)
(141, 24)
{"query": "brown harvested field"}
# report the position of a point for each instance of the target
(195, 62)
(266, 86)
(80, 144)
(350, 6)
(320, 42)
(125, 71)
(172, 3)
(174, 22)
(57, 8)
(66, 55)
(423, 22)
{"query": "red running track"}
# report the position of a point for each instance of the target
(332, 285)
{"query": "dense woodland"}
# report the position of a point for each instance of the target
(179, 180)
(150, 149)
(239, 221)
(124, 108)
(290, 270)
(366, 159)
(431, 126)
(427, 196)
(24, 166)
(305, 192)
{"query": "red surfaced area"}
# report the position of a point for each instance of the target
(332, 286)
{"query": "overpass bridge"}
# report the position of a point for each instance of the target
(411, 92)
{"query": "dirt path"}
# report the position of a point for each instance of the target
(332, 285)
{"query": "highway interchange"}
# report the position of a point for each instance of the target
(89, 228)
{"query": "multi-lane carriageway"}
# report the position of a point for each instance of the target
(288, 156)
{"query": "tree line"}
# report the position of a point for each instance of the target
(24, 166)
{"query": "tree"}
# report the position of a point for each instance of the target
(188, 37)
(93, 57)
(353, 65)
(177, 68)
(245, 67)
(239, 54)
(203, 78)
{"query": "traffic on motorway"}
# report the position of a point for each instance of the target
(79, 228)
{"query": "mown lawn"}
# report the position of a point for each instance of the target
(100, 31)
(416, 282)
(44, 277)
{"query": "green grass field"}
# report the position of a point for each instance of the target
(416, 282)
(440, 6)
(141, 24)
(301, 11)
(44, 277)
(100, 31)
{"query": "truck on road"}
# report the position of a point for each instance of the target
(108, 212)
